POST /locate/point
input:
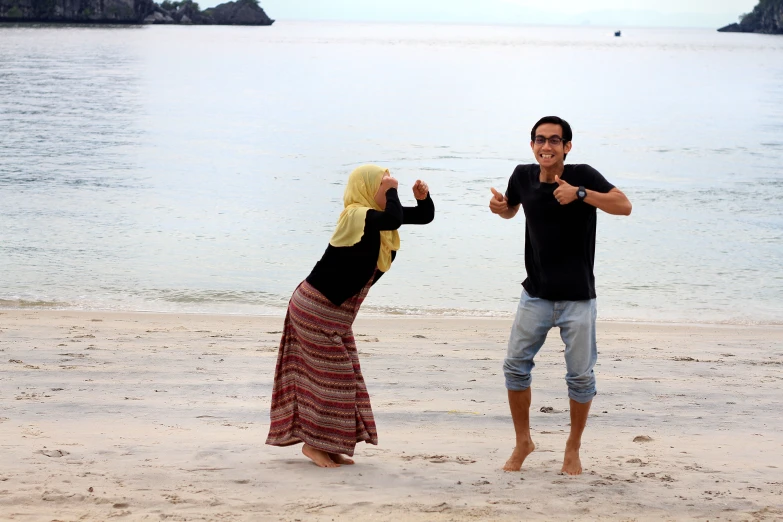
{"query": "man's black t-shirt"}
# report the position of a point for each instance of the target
(559, 239)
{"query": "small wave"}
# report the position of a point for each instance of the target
(25, 181)
(214, 296)
(685, 321)
(433, 312)
(24, 303)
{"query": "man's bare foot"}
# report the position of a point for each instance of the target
(321, 458)
(340, 459)
(514, 463)
(572, 465)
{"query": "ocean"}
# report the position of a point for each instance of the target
(201, 169)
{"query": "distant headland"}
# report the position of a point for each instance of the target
(239, 12)
(766, 17)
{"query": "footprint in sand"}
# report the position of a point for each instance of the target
(439, 459)
(53, 453)
(440, 508)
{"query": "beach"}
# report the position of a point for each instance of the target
(144, 416)
(164, 189)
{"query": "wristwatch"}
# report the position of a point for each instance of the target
(581, 193)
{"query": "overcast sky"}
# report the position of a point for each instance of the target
(675, 13)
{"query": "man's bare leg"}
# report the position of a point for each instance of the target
(319, 457)
(571, 462)
(519, 402)
(340, 459)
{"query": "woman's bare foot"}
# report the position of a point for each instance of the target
(321, 458)
(340, 459)
(514, 463)
(572, 464)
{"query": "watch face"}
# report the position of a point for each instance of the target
(581, 193)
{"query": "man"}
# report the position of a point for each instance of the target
(559, 202)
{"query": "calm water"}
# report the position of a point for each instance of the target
(201, 168)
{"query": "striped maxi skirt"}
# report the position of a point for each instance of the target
(319, 395)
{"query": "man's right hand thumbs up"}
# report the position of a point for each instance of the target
(499, 203)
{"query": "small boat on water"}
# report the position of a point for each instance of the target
(618, 33)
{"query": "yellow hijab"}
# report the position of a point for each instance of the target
(359, 197)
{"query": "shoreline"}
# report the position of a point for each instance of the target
(150, 415)
(501, 316)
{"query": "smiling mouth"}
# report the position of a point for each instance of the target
(547, 156)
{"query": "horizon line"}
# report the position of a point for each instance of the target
(506, 24)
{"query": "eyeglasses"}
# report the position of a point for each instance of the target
(553, 140)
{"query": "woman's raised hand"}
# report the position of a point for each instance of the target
(387, 183)
(420, 190)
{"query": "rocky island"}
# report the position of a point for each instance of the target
(766, 17)
(239, 12)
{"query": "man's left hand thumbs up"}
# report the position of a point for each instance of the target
(564, 193)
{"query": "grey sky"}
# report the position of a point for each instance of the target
(675, 13)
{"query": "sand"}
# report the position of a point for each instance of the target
(164, 417)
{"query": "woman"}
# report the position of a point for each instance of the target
(319, 395)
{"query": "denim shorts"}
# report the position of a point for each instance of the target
(535, 317)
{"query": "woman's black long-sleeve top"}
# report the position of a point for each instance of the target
(343, 271)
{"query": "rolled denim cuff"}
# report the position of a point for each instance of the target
(582, 396)
(516, 381)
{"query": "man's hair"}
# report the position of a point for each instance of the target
(567, 134)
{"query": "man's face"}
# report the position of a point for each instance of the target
(548, 155)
